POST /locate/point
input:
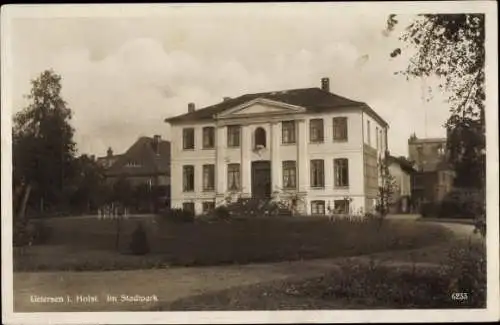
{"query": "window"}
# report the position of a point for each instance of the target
(188, 206)
(289, 175)
(316, 133)
(381, 139)
(133, 164)
(377, 138)
(188, 178)
(208, 206)
(260, 137)
(341, 171)
(317, 207)
(341, 206)
(233, 177)
(440, 150)
(317, 173)
(340, 129)
(188, 138)
(208, 137)
(233, 136)
(368, 133)
(288, 131)
(208, 177)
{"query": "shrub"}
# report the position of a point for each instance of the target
(40, 232)
(20, 234)
(34, 232)
(139, 244)
(465, 272)
(178, 215)
(221, 213)
(428, 209)
(462, 203)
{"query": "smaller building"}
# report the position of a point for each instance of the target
(402, 171)
(147, 161)
(146, 167)
(108, 160)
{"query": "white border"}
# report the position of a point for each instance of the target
(136, 10)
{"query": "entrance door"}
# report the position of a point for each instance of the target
(261, 179)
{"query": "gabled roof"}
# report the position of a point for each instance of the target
(315, 100)
(143, 153)
(404, 164)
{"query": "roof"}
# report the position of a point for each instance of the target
(143, 152)
(404, 163)
(427, 140)
(315, 100)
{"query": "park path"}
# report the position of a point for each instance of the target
(167, 284)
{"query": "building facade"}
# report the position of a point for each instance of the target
(307, 143)
(147, 161)
(434, 176)
(402, 172)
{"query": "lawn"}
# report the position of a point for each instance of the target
(373, 283)
(89, 243)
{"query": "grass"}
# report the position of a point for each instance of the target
(365, 285)
(89, 244)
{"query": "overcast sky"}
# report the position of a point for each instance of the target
(123, 76)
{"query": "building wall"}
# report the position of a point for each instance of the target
(426, 153)
(375, 145)
(302, 152)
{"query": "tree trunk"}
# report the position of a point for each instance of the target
(22, 209)
(117, 239)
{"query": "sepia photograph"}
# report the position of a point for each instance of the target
(249, 163)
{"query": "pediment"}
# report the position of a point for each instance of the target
(261, 107)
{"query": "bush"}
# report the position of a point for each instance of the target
(34, 232)
(465, 272)
(139, 244)
(178, 215)
(221, 213)
(462, 203)
(429, 209)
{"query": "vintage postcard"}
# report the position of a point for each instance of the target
(250, 163)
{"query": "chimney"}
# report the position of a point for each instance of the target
(191, 108)
(110, 152)
(226, 98)
(156, 143)
(325, 84)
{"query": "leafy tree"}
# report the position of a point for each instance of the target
(89, 185)
(42, 144)
(451, 47)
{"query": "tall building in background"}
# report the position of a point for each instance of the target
(434, 175)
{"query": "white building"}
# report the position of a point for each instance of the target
(307, 143)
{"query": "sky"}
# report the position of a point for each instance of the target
(122, 76)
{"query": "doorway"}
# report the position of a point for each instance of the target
(261, 179)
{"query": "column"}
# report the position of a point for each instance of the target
(221, 168)
(302, 157)
(276, 164)
(246, 163)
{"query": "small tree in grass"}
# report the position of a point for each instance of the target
(386, 190)
(139, 244)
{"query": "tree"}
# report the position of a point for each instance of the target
(88, 185)
(387, 188)
(451, 47)
(42, 143)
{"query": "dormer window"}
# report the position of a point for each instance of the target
(132, 164)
